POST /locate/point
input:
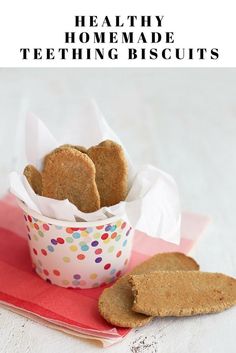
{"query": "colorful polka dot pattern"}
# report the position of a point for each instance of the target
(83, 257)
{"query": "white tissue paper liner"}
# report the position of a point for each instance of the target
(152, 204)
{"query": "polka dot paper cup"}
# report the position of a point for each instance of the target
(78, 254)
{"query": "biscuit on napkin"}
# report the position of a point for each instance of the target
(115, 303)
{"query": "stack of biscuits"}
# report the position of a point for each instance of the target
(88, 178)
(168, 284)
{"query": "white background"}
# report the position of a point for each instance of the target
(42, 24)
(181, 120)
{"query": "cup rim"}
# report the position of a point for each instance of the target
(66, 224)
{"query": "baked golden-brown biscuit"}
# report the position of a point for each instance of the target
(115, 303)
(34, 178)
(182, 293)
(70, 174)
(111, 172)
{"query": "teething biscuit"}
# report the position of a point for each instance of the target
(34, 178)
(115, 303)
(111, 172)
(181, 293)
(70, 174)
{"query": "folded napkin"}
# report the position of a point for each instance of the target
(73, 311)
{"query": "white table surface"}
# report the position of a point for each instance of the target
(182, 120)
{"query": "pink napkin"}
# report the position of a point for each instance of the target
(71, 310)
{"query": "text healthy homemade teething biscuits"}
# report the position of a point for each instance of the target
(115, 303)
